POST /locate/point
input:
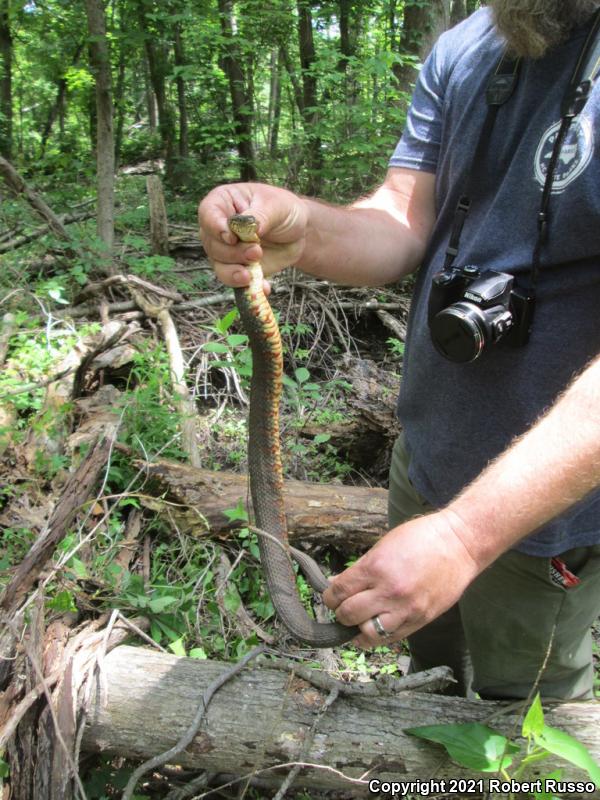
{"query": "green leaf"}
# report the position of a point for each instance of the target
(198, 653)
(470, 744)
(223, 325)
(556, 775)
(177, 647)
(62, 601)
(237, 514)
(287, 381)
(158, 604)
(565, 746)
(320, 438)
(231, 601)
(4, 769)
(235, 339)
(215, 347)
(302, 374)
(79, 568)
(534, 719)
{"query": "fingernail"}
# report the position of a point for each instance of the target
(227, 237)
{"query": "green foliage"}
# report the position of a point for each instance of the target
(481, 748)
(147, 420)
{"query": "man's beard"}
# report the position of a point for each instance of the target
(532, 27)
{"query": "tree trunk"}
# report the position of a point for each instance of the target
(57, 108)
(423, 23)
(6, 114)
(183, 118)
(274, 113)
(310, 110)
(351, 518)
(241, 102)
(459, 11)
(105, 145)
(120, 101)
(157, 53)
(159, 226)
(263, 718)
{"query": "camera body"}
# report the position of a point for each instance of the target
(470, 310)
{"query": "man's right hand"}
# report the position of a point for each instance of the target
(282, 222)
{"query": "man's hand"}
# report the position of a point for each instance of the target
(282, 221)
(411, 576)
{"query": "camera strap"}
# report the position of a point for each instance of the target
(499, 90)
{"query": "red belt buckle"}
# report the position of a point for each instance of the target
(561, 575)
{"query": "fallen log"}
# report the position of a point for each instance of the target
(264, 719)
(351, 518)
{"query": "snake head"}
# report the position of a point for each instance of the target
(245, 227)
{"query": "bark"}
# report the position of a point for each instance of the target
(105, 146)
(459, 11)
(241, 101)
(158, 67)
(24, 238)
(423, 23)
(351, 518)
(76, 492)
(17, 185)
(57, 107)
(181, 102)
(120, 100)
(264, 718)
(274, 113)
(159, 226)
(310, 102)
(6, 113)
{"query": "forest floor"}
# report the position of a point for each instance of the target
(78, 347)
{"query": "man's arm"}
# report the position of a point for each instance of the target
(419, 569)
(374, 241)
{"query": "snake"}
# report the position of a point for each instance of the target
(265, 469)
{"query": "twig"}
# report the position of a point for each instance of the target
(302, 764)
(428, 680)
(189, 734)
(30, 387)
(190, 788)
(293, 773)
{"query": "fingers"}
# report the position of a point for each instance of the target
(371, 631)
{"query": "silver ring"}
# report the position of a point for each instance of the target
(381, 631)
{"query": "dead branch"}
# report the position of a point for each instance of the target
(25, 238)
(159, 227)
(263, 718)
(349, 517)
(18, 186)
(74, 495)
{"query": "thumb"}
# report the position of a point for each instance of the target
(351, 581)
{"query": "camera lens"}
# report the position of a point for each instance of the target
(459, 332)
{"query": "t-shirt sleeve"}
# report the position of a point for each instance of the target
(420, 143)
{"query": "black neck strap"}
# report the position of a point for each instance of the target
(498, 91)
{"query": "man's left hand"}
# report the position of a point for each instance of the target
(411, 576)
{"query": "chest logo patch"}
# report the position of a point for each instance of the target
(575, 155)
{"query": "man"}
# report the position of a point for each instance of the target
(506, 571)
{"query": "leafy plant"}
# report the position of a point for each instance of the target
(481, 748)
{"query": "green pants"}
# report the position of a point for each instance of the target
(510, 619)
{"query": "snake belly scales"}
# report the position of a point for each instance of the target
(264, 462)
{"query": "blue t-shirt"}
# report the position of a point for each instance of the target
(457, 417)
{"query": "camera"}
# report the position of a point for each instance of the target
(470, 310)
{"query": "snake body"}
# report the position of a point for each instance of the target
(264, 462)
